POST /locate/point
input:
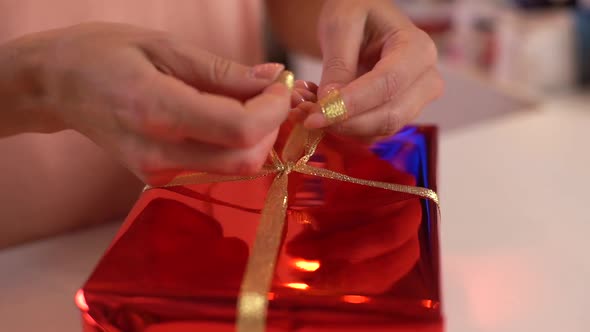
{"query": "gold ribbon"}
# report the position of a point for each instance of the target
(253, 298)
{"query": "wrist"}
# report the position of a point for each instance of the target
(23, 89)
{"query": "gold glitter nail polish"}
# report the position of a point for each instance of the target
(287, 78)
(333, 106)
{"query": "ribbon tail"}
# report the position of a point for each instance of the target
(325, 173)
(253, 298)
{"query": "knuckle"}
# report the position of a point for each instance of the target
(136, 110)
(354, 105)
(147, 116)
(147, 119)
(170, 124)
(160, 40)
(343, 128)
(220, 68)
(390, 125)
(428, 47)
(155, 45)
(142, 117)
(403, 37)
(390, 86)
(338, 64)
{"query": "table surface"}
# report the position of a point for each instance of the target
(514, 234)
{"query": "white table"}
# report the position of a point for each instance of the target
(516, 220)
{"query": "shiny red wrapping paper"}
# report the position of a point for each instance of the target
(353, 258)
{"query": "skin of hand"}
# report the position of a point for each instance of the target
(383, 65)
(156, 103)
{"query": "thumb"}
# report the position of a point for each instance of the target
(230, 78)
(340, 42)
(211, 73)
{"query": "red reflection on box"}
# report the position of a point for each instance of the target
(353, 258)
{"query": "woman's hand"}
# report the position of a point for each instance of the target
(160, 105)
(383, 65)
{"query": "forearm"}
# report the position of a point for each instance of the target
(57, 183)
(51, 183)
(22, 90)
(295, 23)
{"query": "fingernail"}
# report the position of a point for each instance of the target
(296, 98)
(325, 90)
(300, 84)
(267, 71)
(311, 86)
(287, 79)
(332, 108)
(307, 85)
(308, 95)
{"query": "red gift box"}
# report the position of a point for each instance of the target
(351, 257)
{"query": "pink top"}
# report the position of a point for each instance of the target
(52, 183)
(230, 28)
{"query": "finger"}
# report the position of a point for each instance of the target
(159, 162)
(208, 72)
(301, 111)
(307, 95)
(304, 91)
(372, 276)
(375, 235)
(296, 98)
(307, 85)
(340, 40)
(170, 109)
(401, 64)
(387, 119)
(301, 95)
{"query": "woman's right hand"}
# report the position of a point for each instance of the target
(158, 104)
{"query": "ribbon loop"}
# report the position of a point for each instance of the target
(288, 167)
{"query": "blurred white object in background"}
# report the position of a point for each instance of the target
(536, 49)
(473, 41)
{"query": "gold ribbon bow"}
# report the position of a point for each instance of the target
(253, 297)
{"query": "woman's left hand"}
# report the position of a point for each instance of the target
(382, 64)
